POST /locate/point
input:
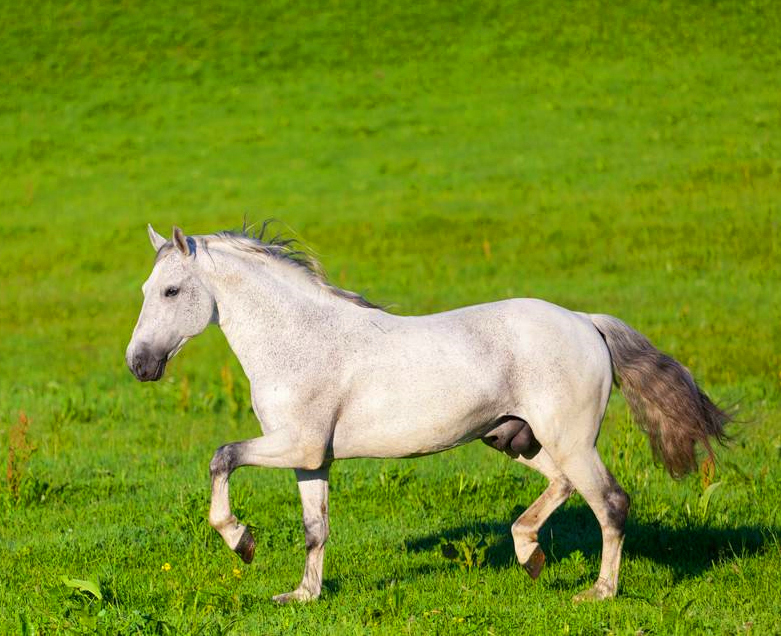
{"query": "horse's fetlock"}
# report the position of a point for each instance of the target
(522, 529)
(222, 522)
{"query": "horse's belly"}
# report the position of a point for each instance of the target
(415, 422)
(396, 441)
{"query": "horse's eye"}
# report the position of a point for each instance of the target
(171, 291)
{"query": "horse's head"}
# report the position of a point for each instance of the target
(176, 307)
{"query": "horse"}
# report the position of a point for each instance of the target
(334, 376)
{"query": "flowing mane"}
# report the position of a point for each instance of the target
(281, 248)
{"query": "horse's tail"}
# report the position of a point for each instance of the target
(664, 398)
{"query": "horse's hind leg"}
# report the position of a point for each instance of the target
(313, 486)
(610, 504)
(526, 527)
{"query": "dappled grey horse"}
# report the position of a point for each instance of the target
(333, 377)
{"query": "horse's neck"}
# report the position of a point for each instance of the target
(272, 317)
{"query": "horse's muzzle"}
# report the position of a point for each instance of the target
(146, 366)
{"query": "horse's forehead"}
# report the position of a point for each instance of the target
(163, 269)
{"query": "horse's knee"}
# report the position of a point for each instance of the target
(312, 456)
(223, 461)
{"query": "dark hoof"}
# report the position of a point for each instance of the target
(245, 548)
(535, 563)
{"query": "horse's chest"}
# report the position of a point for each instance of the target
(271, 403)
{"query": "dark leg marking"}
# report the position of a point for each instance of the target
(617, 507)
(224, 460)
(315, 533)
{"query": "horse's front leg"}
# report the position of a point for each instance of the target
(280, 449)
(313, 486)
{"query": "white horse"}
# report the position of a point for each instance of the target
(333, 377)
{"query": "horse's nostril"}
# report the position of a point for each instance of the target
(139, 365)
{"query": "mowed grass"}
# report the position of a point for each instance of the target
(610, 157)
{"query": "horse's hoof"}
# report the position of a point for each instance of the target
(245, 548)
(298, 596)
(599, 592)
(535, 563)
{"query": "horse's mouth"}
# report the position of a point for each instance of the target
(159, 370)
(148, 365)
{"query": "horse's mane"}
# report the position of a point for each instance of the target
(285, 249)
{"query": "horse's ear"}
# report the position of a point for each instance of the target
(156, 239)
(181, 242)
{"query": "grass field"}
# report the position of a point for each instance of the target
(611, 157)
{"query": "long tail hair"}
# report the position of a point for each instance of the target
(664, 398)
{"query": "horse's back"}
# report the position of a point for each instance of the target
(551, 355)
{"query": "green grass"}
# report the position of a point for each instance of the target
(611, 157)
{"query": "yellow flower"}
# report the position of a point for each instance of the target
(237, 573)
(166, 567)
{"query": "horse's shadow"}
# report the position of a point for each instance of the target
(686, 551)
